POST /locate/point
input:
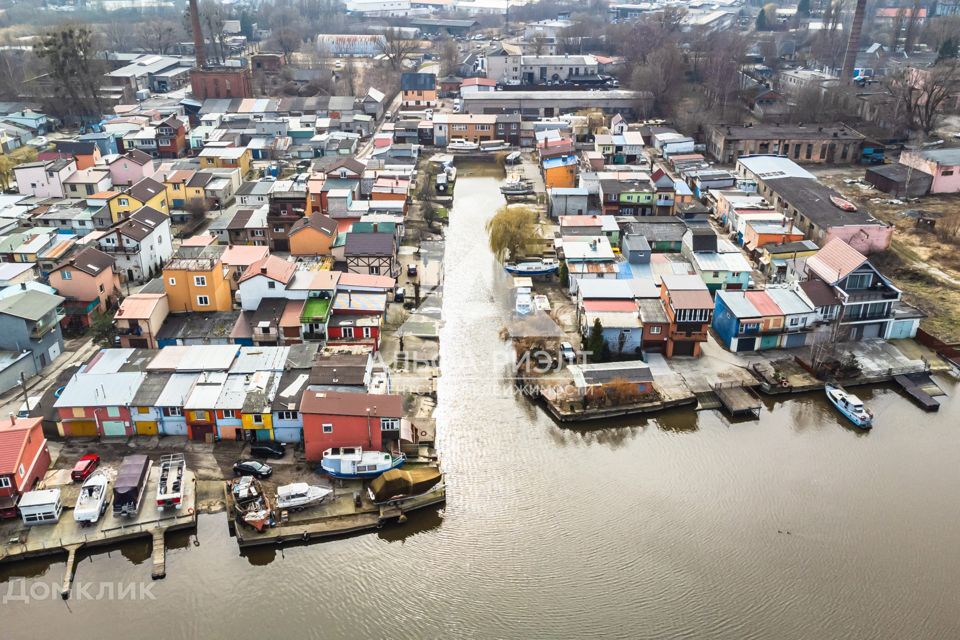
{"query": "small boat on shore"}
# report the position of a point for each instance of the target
(544, 267)
(850, 406)
(300, 495)
(354, 462)
(843, 203)
(92, 501)
(251, 504)
(461, 144)
(517, 186)
(512, 158)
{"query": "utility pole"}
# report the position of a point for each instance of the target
(23, 387)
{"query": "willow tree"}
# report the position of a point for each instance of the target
(512, 230)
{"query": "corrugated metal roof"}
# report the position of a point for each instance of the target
(252, 359)
(788, 300)
(738, 305)
(835, 261)
(101, 389)
(177, 389)
(763, 303)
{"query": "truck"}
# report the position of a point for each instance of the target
(170, 485)
(129, 487)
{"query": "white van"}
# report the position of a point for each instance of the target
(28, 406)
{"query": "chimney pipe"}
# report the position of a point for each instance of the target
(198, 46)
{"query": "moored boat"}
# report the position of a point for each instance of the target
(517, 187)
(251, 504)
(92, 501)
(402, 484)
(460, 144)
(512, 158)
(354, 462)
(850, 406)
(543, 267)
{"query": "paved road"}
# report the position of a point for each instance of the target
(75, 351)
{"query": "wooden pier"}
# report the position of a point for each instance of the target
(913, 385)
(738, 400)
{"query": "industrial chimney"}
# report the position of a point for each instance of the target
(853, 43)
(198, 47)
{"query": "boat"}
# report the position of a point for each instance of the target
(397, 485)
(460, 144)
(250, 503)
(354, 462)
(517, 186)
(849, 405)
(543, 267)
(523, 305)
(130, 485)
(493, 145)
(170, 485)
(512, 158)
(92, 501)
(300, 495)
(843, 203)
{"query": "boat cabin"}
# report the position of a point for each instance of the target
(40, 507)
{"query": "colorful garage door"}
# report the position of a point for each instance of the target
(80, 428)
(287, 434)
(146, 428)
(114, 428)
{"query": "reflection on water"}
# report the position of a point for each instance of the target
(676, 525)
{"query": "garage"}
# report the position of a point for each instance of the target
(80, 428)
(684, 348)
(746, 344)
(288, 434)
(114, 428)
(146, 428)
(199, 432)
(794, 340)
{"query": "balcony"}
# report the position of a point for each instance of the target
(315, 310)
(870, 295)
(115, 250)
(41, 329)
(697, 336)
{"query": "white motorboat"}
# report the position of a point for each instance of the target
(461, 144)
(849, 405)
(300, 495)
(92, 501)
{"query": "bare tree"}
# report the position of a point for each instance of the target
(286, 32)
(116, 35)
(449, 57)
(158, 36)
(214, 16)
(659, 76)
(920, 94)
(395, 48)
(913, 27)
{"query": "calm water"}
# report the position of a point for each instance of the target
(684, 526)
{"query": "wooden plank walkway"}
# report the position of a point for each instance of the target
(738, 400)
(915, 390)
(159, 555)
(707, 400)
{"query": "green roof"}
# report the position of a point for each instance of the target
(30, 305)
(315, 308)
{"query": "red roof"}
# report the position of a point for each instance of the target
(763, 303)
(338, 403)
(13, 439)
(598, 306)
(479, 82)
(273, 267)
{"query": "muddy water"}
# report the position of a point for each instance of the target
(683, 526)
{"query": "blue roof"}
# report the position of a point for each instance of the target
(561, 161)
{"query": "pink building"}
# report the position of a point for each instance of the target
(942, 164)
(87, 281)
(130, 168)
(44, 178)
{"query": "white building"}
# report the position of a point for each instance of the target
(139, 245)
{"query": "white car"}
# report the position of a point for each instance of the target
(567, 352)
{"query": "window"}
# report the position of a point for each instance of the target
(101, 288)
(21, 470)
(172, 411)
(66, 274)
(123, 202)
(5, 482)
(809, 151)
(271, 285)
(257, 233)
(794, 322)
(201, 415)
(199, 281)
(947, 172)
(328, 428)
(257, 418)
(203, 301)
(654, 331)
(390, 424)
(229, 413)
(374, 271)
(367, 332)
(287, 415)
(858, 280)
(278, 228)
(823, 151)
(172, 281)
(348, 332)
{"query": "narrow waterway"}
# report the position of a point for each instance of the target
(681, 526)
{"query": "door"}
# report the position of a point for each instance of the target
(139, 343)
(146, 428)
(54, 351)
(871, 330)
(80, 428)
(746, 344)
(684, 348)
(288, 434)
(199, 432)
(795, 340)
(113, 428)
(263, 434)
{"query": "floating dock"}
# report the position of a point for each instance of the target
(738, 400)
(915, 386)
(350, 511)
(68, 537)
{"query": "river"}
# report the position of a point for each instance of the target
(684, 525)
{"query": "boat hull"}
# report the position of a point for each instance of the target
(863, 422)
(543, 271)
(333, 473)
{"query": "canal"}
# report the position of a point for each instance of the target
(682, 525)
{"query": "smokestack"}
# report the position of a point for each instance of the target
(853, 43)
(198, 47)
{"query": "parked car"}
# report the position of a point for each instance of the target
(567, 352)
(399, 295)
(252, 468)
(28, 406)
(84, 467)
(268, 449)
(411, 270)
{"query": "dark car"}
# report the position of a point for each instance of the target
(411, 270)
(252, 468)
(268, 449)
(84, 467)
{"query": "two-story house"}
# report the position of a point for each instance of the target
(372, 253)
(30, 323)
(171, 138)
(313, 235)
(196, 280)
(131, 167)
(24, 461)
(267, 278)
(418, 89)
(86, 182)
(44, 179)
(88, 282)
(140, 244)
(339, 419)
